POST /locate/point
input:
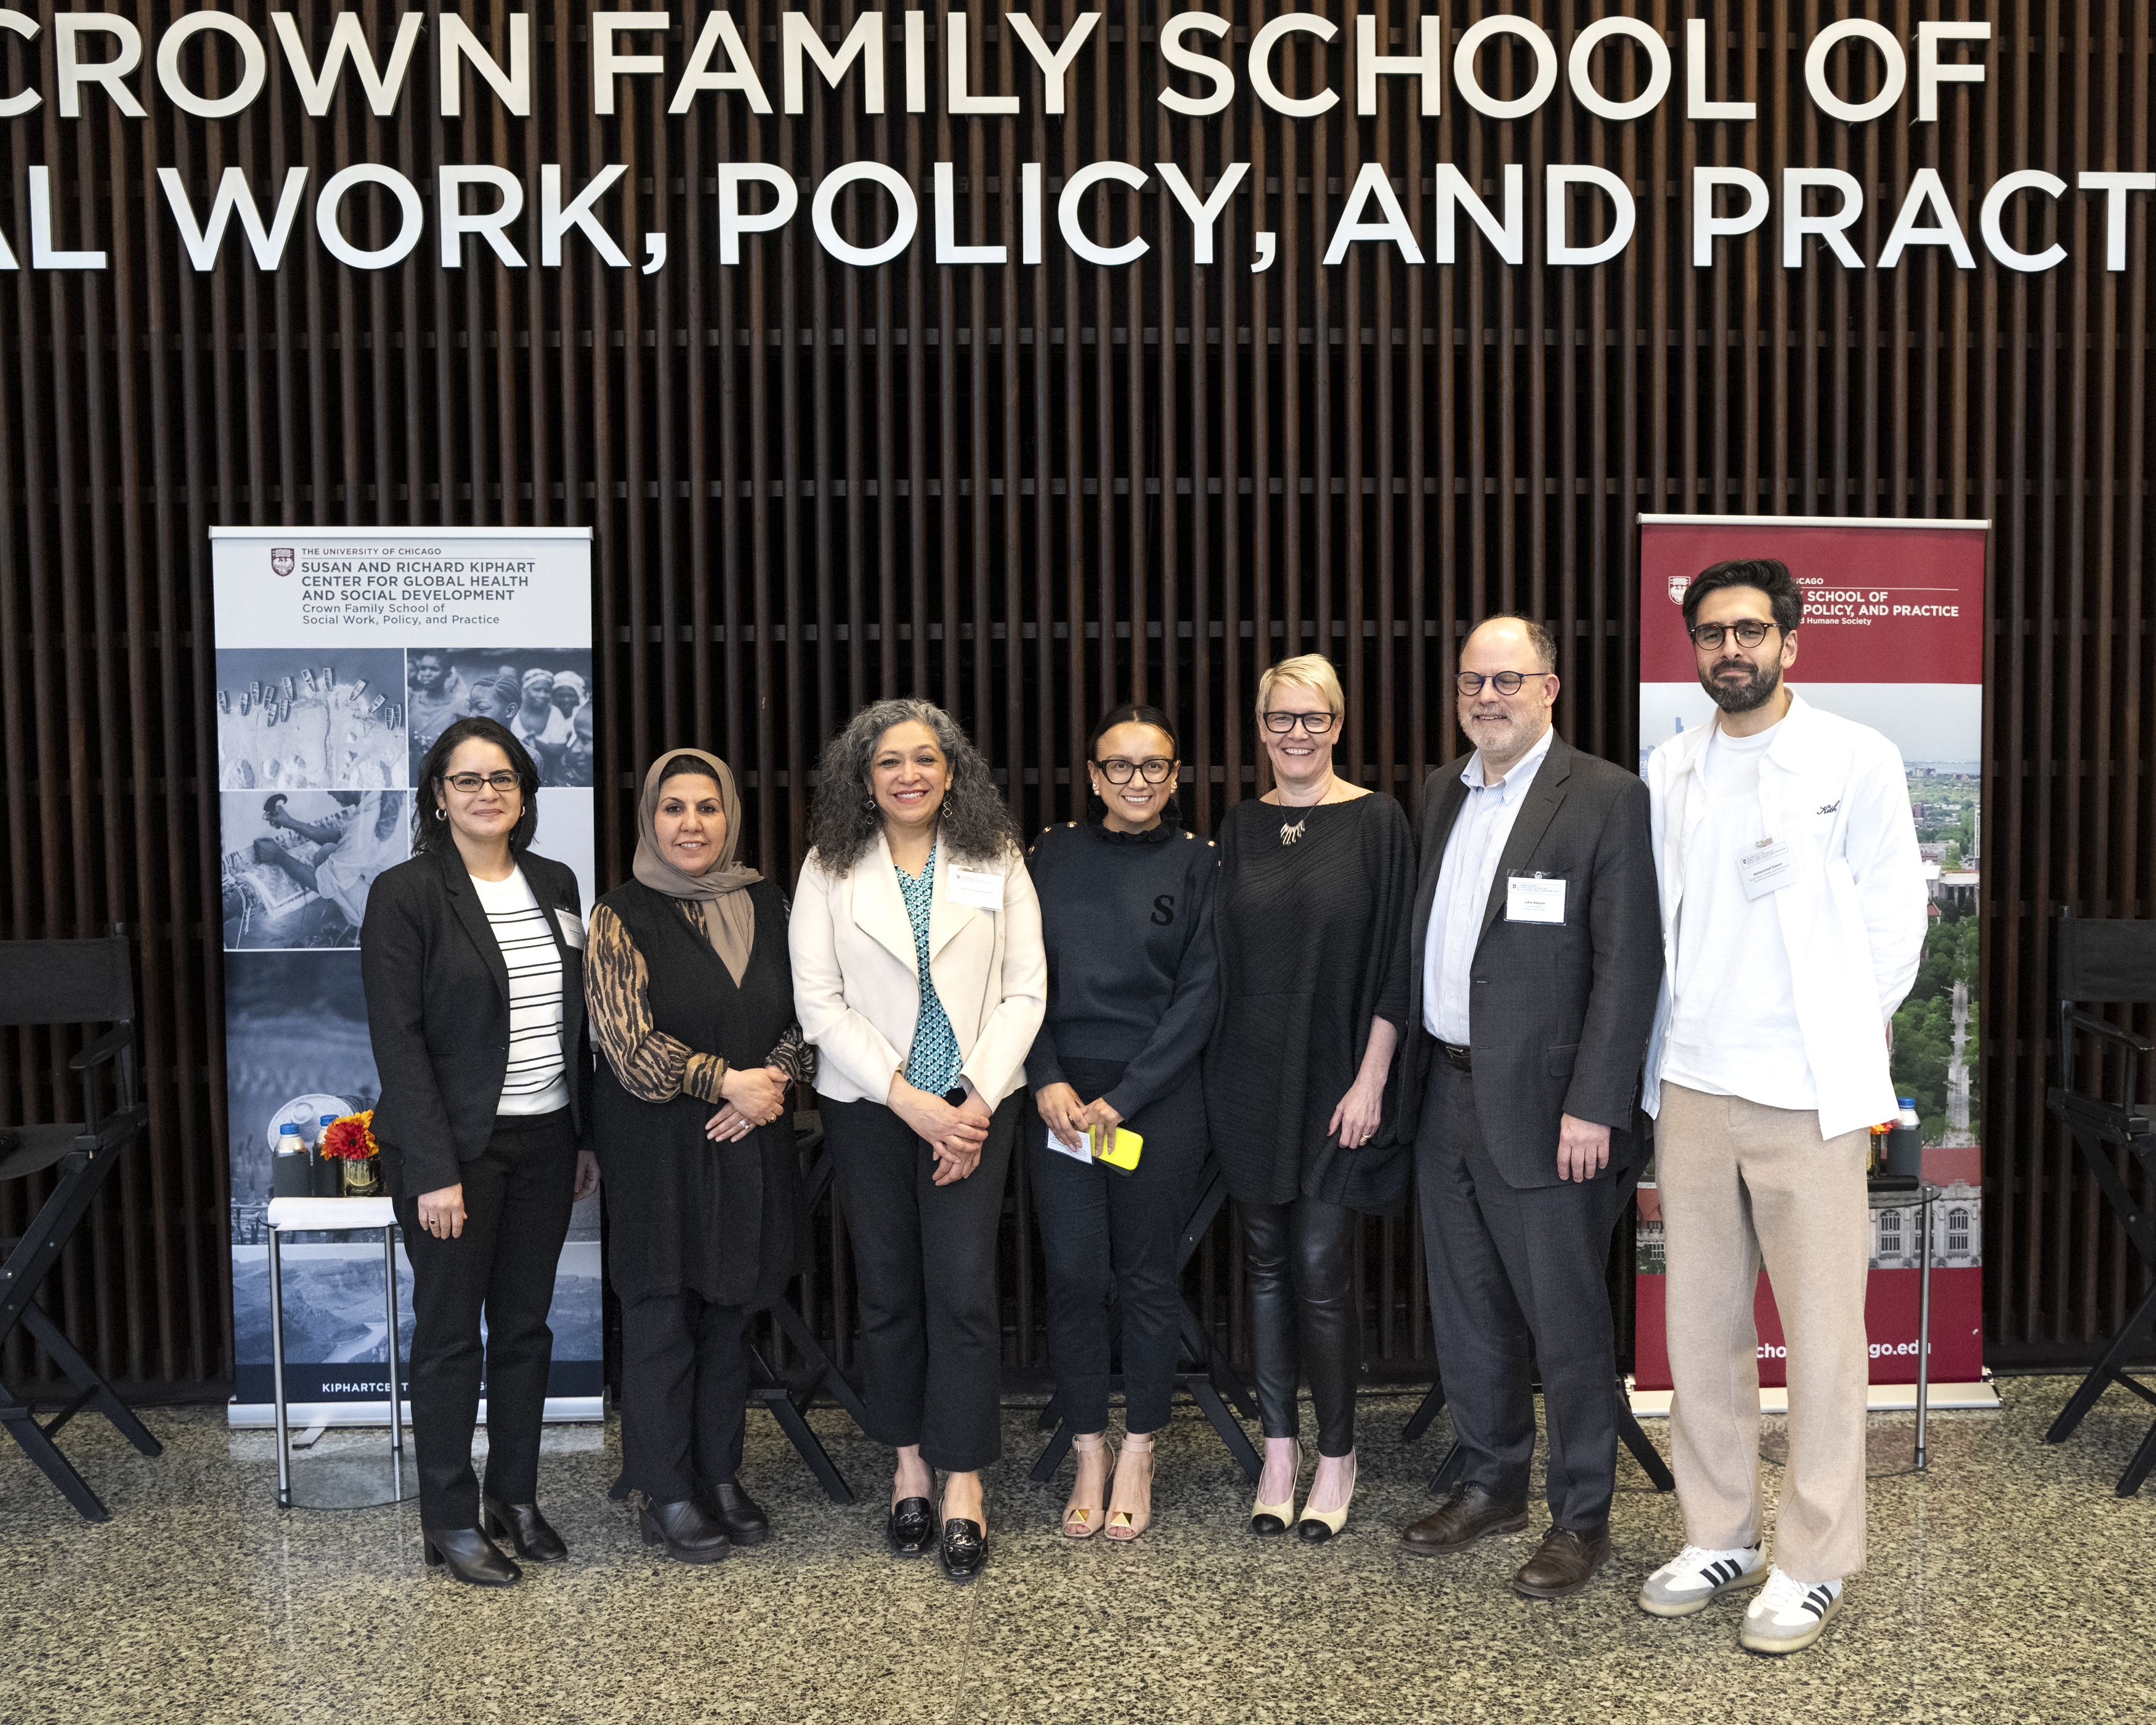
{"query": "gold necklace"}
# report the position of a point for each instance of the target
(1289, 834)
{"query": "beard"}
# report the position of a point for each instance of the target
(1753, 692)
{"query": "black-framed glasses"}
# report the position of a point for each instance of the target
(1313, 724)
(1471, 683)
(1155, 770)
(1749, 632)
(469, 783)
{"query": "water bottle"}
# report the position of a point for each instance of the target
(291, 1174)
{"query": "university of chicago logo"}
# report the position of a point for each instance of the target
(1678, 583)
(281, 559)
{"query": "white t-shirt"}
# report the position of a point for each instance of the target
(537, 1080)
(1733, 1029)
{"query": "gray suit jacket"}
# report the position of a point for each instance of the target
(1560, 1015)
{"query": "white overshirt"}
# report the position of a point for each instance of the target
(1471, 851)
(1853, 916)
(1733, 1029)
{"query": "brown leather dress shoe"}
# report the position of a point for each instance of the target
(1469, 1514)
(1565, 1562)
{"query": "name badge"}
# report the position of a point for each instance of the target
(981, 888)
(1530, 898)
(1767, 866)
(572, 928)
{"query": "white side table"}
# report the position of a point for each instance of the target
(333, 1215)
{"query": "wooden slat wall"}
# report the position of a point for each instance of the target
(1027, 491)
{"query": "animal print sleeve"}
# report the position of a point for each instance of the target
(652, 1066)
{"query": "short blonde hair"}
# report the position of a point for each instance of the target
(1306, 670)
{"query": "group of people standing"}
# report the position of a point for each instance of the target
(1329, 1003)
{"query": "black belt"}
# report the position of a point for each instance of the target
(1460, 1060)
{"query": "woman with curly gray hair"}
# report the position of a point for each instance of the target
(919, 974)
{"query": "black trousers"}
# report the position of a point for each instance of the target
(1107, 1237)
(685, 1380)
(1516, 1284)
(518, 1193)
(1304, 1320)
(925, 1260)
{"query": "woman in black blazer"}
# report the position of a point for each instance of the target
(472, 959)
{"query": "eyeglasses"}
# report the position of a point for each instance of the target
(469, 783)
(1505, 682)
(1153, 772)
(1711, 635)
(1313, 724)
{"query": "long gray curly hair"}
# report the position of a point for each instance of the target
(845, 820)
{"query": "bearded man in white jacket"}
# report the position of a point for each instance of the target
(1792, 920)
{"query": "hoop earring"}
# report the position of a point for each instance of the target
(440, 812)
(868, 805)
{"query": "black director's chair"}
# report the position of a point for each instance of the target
(2111, 962)
(1206, 1378)
(54, 983)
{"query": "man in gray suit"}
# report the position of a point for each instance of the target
(1537, 944)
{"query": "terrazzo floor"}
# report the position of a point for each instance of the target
(2008, 1584)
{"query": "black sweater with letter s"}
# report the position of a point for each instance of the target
(1133, 976)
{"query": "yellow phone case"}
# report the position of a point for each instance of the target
(1122, 1155)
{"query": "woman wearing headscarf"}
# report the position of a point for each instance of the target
(691, 1002)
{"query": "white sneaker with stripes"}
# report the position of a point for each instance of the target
(1788, 1615)
(1695, 1577)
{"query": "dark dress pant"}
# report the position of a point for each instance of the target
(1304, 1319)
(1108, 1237)
(1516, 1285)
(517, 1193)
(685, 1382)
(924, 1264)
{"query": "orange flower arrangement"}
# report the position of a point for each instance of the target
(350, 1139)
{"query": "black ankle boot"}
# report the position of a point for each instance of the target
(734, 1509)
(471, 1556)
(523, 1527)
(688, 1534)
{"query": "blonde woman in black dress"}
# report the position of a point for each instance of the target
(1316, 884)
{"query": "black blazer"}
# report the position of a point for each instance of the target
(437, 1014)
(1560, 1015)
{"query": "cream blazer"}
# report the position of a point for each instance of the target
(857, 984)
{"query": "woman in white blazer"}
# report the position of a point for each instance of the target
(918, 974)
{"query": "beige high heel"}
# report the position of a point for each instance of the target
(1126, 1520)
(1081, 1515)
(1269, 1520)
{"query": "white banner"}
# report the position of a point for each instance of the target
(341, 654)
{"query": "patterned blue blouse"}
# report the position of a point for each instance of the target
(932, 1065)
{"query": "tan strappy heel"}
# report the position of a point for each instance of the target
(1127, 1519)
(1081, 1515)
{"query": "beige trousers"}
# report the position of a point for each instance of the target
(1740, 1182)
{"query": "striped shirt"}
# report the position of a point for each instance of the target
(537, 1081)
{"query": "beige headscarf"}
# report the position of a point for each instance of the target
(729, 918)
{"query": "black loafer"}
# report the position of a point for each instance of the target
(739, 1514)
(963, 1549)
(688, 1535)
(524, 1528)
(471, 1556)
(911, 1528)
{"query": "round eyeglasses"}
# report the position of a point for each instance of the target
(1314, 724)
(1711, 635)
(1155, 770)
(1504, 682)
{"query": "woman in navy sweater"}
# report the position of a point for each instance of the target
(1127, 918)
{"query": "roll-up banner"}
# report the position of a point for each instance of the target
(1892, 637)
(341, 654)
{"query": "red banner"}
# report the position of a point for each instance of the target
(1892, 637)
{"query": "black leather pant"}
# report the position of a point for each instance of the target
(1303, 1314)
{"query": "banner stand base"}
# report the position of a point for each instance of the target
(1884, 1398)
(560, 1409)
